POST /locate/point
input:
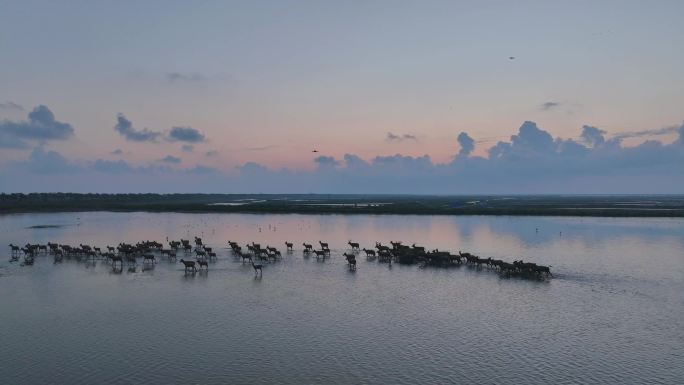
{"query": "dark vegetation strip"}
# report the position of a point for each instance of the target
(596, 206)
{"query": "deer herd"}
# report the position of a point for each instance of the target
(257, 256)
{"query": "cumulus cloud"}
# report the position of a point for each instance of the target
(11, 106)
(402, 162)
(40, 126)
(531, 161)
(325, 161)
(352, 161)
(531, 138)
(50, 171)
(178, 77)
(112, 167)
(186, 134)
(125, 128)
(680, 138)
(467, 144)
(549, 106)
(203, 170)
(251, 168)
(171, 159)
(391, 137)
(41, 161)
(593, 136)
(8, 140)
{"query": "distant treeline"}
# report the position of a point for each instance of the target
(574, 205)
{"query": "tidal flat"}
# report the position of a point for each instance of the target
(612, 313)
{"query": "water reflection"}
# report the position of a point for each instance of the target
(613, 314)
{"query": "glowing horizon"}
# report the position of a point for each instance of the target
(223, 84)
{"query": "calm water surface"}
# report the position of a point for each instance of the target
(614, 313)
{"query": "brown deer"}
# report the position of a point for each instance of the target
(203, 263)
(351, 260)
(257, 267)
(189, 265)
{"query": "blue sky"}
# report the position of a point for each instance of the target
(140, 96)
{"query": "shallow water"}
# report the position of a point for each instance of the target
(614, 313)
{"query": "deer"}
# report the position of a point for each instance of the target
(130, 258)
(200, 253)
(257, 267)
(381, 247)
(307, 247)
(263, 254)
(354, 245)
(149, 257)
(288, 245)
(203, 263)
(115, 259)
(369, 253)
(351, 260)
(543, 270)
(90, 254)
(324, 245)
(244, 256)
(320, 253)
(189, 265)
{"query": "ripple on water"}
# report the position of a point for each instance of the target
(609, 316)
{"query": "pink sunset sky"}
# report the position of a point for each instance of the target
(124, 93)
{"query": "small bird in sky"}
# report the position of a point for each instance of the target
(314, 151)
(511, 57)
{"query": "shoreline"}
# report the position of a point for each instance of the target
(597, 213)
(653, 206)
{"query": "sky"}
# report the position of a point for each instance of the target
(430, 97)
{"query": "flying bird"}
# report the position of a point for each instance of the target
(314, 151)
(511, 57)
